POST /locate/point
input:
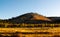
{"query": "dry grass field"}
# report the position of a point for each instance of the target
(30, 32)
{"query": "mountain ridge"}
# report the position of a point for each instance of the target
(31, 18)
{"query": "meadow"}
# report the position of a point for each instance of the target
(29, 30)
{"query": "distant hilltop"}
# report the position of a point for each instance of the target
(32, 18)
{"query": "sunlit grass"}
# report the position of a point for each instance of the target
(35, 30)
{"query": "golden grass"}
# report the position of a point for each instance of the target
(54, 31)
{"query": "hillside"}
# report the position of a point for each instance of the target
(32, 18)
(29, 17)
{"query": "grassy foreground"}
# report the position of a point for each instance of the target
(31, 32)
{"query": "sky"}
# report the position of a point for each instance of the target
(13, 8)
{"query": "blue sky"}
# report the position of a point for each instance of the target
(13, 8)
